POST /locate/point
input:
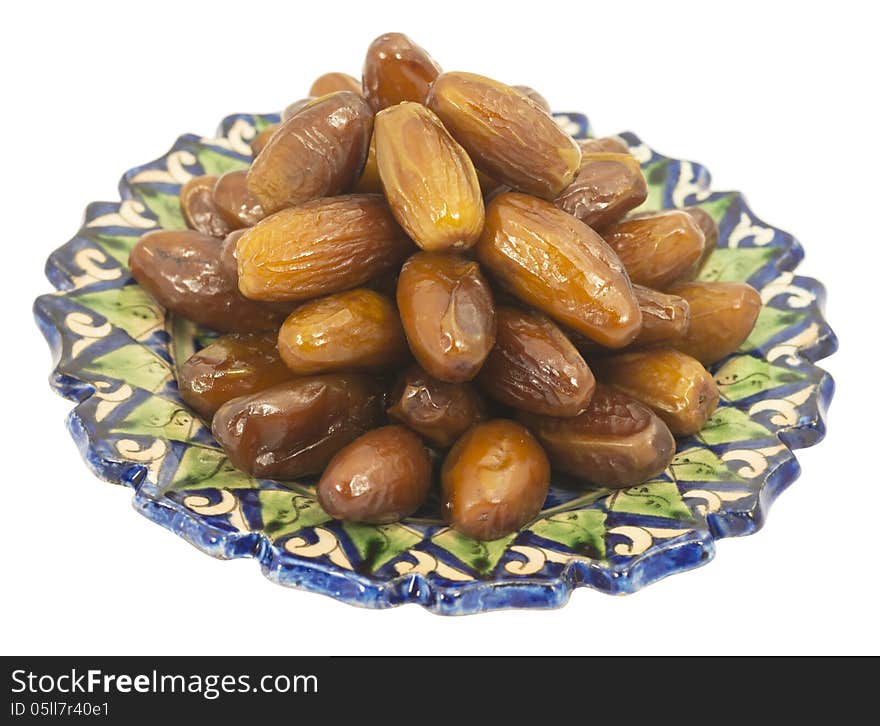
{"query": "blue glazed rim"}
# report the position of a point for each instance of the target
(683, 183)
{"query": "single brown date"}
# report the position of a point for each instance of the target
(604, 144)
(657, 249)
(184, 271)
(532, 94)
(294, 108)
(439, 411)
(358, 330)
(318, 152)
(448, 314)
(293, 429)
(557, 264)
(722, 316)
(534, 367)
(508, 136)
(370, 182)
(333, 82)
(199, 208)
(494, 480)
(233, 365)
(617, 442)
(607, 186)
(234, 202)
(709, 228)
(676, 386)
(259, 141)
(382, 476)
(320, 247)
(397, 70)
(429, 180)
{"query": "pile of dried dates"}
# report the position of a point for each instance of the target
(426, 259)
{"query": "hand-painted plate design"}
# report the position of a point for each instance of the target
(116, 352)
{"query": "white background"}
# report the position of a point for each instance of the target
(778, 100)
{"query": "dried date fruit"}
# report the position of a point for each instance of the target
(199, 209)
(602, 145)
(429, 180)
(507, 135)
(607, 186)
(439, 411)
(722, 316)
(617, 442)
(534, 367)
(233, 365)
(448, 314)
(397, 70)
(184, 271)
(676, 386)
(294, 428)
(294, 108)
(494, 480)
(333, 82)
(234, 202)
(658, 249)
(318, 152)
(258, 143)
(382, 476)
(358, 330)
(370, 182)
(531, 93)
(559, 265)
(709, 228)
(320, 247)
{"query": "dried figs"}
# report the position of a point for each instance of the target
(397, 70)
(429, 181)
(199, 209)
(234, 202)
(507, 135)
(559, 265)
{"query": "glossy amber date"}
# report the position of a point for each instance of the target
(617, 442)
(709, 228)
(494, 480)
(429, 180)
(658, 249)
(234, 202)
(258, 143)
(607, 186)
(448, 314)
(722, 316)
(676, 386)
(382, 476)
(439, 411)
(233, 365)
(397, 70)
(534, 367)
(183, 270)
(559, 265)
(199, 208)
(318, 152)
(370, 182)
(508, 136)
(358, 330)
(333, 82)
(294, 108)
(295, 428)
(531, 93)
(320, 247)
(602, 145)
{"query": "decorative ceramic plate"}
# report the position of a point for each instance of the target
(117, 351)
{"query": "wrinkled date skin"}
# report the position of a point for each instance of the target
(448, 314)
(234, 202)
(333, 82)
(233, 365)
(508, 136)
(429, 180)
(295, 428)
(380, 477)
(397, 70)
(722, 316)
(602, 145)
(607, 186)
(258, 143)
(494, 480)
(184, 271)
(534, 367)
(320, 247)
(531, 93)
(439, 411)
(676, 386)
(358, 330)
(318, 152)
(557, 264)
(658, 249)
(617, 442)
(199, 208)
